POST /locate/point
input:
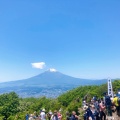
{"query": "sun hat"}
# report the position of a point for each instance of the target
(50, 112)
(43, 110)
(55, 111)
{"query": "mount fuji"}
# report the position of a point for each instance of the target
(51, 83)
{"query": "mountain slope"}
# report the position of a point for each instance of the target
(54, 78)
(50, 84)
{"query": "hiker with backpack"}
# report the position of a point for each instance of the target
(116, 102)
(108, 105)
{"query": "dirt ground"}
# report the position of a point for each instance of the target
(114, 117)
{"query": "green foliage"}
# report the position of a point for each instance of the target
(11, 118)
(8, 104)
(116, 85)
(14, 108)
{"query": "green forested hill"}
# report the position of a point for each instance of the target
(12, 107)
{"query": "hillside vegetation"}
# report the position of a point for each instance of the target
(14, 108)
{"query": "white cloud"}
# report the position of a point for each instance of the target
(52, 70)
(39, 65)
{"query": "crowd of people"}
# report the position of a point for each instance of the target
(102, 109)
(43, 116)
(96, 109)
(56, 115)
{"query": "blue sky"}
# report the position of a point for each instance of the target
(78, 38)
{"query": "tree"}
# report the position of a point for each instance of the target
(9, 103)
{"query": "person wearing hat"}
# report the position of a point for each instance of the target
(35, 115)
(49, 115)
(43, 115)
(50, 112)
(54, 116)
(88, 113)
(31, 117)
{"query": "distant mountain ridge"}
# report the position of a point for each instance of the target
(45, 84)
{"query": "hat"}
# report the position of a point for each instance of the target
(114, 95)
(85, 107)
(55, 111)
(50, 112)
(43, 110)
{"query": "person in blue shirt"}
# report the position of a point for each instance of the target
(27, 117)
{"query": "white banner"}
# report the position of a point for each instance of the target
(110, 90)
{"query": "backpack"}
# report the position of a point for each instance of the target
(118, 100)
(107, 100)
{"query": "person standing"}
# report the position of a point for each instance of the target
(102, 109)
(43, 115)
(54, 116)
(27, 117)
(59, 115)
(67, 116)
(108, 105)
(31, 117)
(115, 102)
(49, 115)
(74, 116)
(95, 113)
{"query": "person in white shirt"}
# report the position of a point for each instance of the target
(43, 115)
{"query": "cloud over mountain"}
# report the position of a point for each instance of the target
(38, 65)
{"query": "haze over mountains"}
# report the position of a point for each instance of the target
(50, 84)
